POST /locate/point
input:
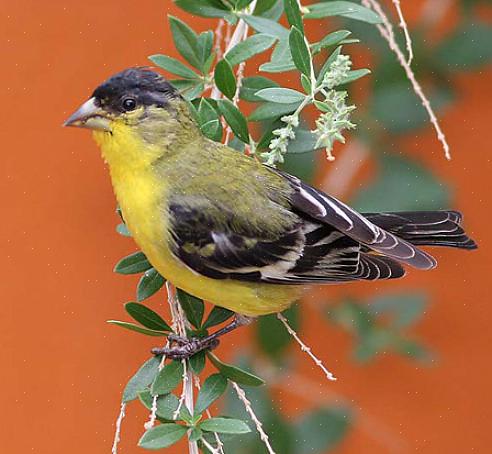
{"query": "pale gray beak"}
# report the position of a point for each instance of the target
(89, 116)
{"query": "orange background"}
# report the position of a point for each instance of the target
(64, 367)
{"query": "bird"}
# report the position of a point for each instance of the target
(229, 229)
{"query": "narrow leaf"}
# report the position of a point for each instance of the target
(149, 284)
(235, 119)
(342, 8)
(147, 317)
(162, 436)
(224, 78)
(293, 14)
(270, 110)
(268, 26)
(253, 84)
(197, 362)
(213, 387)
(217, 316)
(330, 40)
(142, 378)
(192, 306)
(137, 328)
(173, 66)
(206, 9)
(300, 51)
(281, 95)
(250, 47)
(186, 42)
(168, 378)
(132, 264)
(225, 426)
(234, 373)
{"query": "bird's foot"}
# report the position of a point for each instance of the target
(185, 348)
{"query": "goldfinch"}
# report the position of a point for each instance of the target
(227, 229)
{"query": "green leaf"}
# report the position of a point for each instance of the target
(272, 336)
(137, 328)
(467, 48)
(186, 42)
(300, 51)
(402, 185)
(143, 378)
(173, 66)
(217, 316)
(162, 436)
(250, 47)
(168, 378)
(224, 78)
(306, 84)
(209, 120)
(267, 26)
(253, 84)
(342, 8)
(192, 306)
(293, 14)
(122, 229)
(147, 317)
(270, 110)
(330, 40)
(213, 387)
(132, 264)
(225, 426)
(281, 95)
(197, 362)
(206, 8)
(235, 119)
(166, 404)
(205, 46)
(149, 283)
(281, 59)
(234, 373)
(321, 430)
(354, 75)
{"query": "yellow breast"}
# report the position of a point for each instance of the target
(142, 198)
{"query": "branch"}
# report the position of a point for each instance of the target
(305, 348)
(386, 31)
(404, 27)
(117, 432)
(259, 426)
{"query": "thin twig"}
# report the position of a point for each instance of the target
(259, 426)
(182, 398)
(403, 25)
(117, 432)
(179, 319)
(210, 447)
(305, 348)
(386, 31)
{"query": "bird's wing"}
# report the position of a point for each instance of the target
(305, 252)
(329, 210)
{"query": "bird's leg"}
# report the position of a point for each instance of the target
(185, 347)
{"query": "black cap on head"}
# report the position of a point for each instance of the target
(134, 87)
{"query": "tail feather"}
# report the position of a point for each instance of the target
(425, 228)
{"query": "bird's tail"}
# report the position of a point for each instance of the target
(425, 228)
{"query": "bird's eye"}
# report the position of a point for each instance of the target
(129, 104)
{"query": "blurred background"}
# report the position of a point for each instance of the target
(411, 356)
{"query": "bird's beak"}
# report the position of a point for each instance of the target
(89, 116)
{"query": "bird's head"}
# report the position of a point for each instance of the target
(135, 105)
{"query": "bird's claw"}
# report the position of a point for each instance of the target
(185, 348)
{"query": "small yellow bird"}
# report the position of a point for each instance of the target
(226, 228)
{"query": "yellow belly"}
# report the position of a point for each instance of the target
(140, 195)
